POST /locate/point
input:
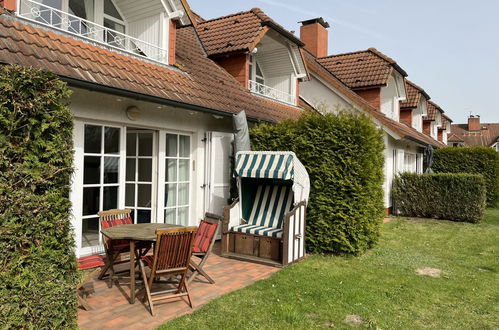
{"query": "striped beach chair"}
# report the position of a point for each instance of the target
(267, 223)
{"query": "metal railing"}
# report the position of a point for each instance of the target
(57, 19)
(271, 93)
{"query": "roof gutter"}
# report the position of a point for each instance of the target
(149, 98)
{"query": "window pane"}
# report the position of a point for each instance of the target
(91, 170)
(171, 195)
(145, 170)
(170, 216)
(110, 198)
(145, 144)
(183, 194)
(111, 10)
(130, 195)
(90, 232)
(171, 170)
(130, 169)
(91, 200)
(111, 169)
(184, 146)
(131, 144)
(183, 215)
(83, 9)
(93, 137)
(171, 145)
(183, 170)
(111, 37)
(112, 140)
(144, 195)
(143, 216)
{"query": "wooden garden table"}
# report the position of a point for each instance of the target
(136, 232)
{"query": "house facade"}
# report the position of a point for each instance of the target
(152, 112)
(370, 82)
(474, 134)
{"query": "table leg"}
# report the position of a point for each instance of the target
(132, 271)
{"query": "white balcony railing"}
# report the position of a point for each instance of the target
(271, 93)
(57, 19)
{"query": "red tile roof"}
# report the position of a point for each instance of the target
(198, 82)
(454, 138)
(314, 65)
(414, 94)
(239, 32)
(432, 111)
(487, 136)
(362, 69)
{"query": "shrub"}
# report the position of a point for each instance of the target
(343, 156)
(474, 160)
(37, 265)
(450, 196)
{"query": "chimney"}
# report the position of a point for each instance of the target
(313, 33)
(474, 123)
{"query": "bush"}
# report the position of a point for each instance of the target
(343, 156)
(37, 264)
(450, 196)
(473, 160)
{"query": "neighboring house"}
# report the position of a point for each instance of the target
(414, 108)
(372, 83)
(152, 113)
(474, 133)
(264, 57)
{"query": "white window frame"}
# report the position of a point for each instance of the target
(253, 75)
(162, 180)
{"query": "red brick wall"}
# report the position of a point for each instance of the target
(8, 4)
(237, 66)
(474, 124)
(173, 40)
(406, 116)
(440, 135)
(315, 38)
(373, 96)
(427, 127)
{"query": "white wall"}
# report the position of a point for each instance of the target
(391, 95)
(417, 115)
(321, 95)
(100, 108)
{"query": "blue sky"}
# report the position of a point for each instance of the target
(448, 47)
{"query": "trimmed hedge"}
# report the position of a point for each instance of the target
(38, 273)
(343, 156)
(473, 160)
(450, 196)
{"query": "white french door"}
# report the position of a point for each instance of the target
(141, 178)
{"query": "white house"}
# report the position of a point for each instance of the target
(152, 113)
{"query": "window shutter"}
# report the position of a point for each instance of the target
(218, 171)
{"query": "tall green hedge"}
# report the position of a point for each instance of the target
(38, 272)
(474, 160)
(450, 196)
(343, 156)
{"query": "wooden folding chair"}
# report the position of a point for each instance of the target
(89, 266)
(172, 252)
(203, 244)
(114, 248)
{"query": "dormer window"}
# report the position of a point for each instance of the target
(255, 71)
(139, 28)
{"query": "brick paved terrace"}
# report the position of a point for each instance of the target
(111, 309)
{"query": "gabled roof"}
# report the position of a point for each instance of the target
(362, 69)
(487, 136)
(403, 131)
(239, 32)
(414, 94)
(197, 82)
(454, 138)
(432, 111)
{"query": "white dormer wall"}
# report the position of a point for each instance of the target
(138, 28)
(391, 95)
(417, 115)
(435, 125)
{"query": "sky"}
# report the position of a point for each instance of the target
(448, 47)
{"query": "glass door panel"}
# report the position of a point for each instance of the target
(139, 188)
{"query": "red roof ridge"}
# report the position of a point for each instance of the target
(419, 88)
(224, 17)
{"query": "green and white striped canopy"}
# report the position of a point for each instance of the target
(265, 165)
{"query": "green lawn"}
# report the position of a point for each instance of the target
(381, 287)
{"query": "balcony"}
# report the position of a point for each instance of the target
(42, 14)
(271, 93)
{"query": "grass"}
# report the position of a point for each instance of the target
(381, 287)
